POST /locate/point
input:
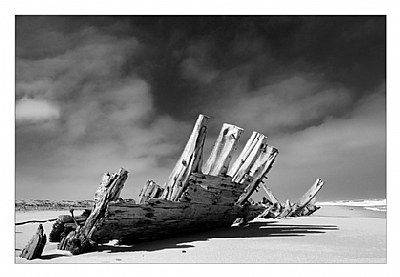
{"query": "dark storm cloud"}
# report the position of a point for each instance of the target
(108, 91)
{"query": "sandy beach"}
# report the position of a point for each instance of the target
(335, 234)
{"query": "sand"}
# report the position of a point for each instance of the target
(333, 235)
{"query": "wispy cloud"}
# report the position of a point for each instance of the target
(349, 153)
(105, 117)
(97, 93)
(35, 110)
(284, 106)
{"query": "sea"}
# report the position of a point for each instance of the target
(378, 205)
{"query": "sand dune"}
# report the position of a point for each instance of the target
(333, 235)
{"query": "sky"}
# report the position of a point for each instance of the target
(96, 93)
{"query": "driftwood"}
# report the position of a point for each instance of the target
(35, 221)
(221, 154)
(287, 209)
(250, 152)
(65, 223)
(269, 193)
(311, 207)
(150, 190)
(305, 206)
(79, 241)
(106, 182)
(35, 246)
(190, 161)
(259, 170)
(306, 198)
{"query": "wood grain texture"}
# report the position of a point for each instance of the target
(269, 193)
(221, 154)
(287, 209)
(160, 218)
(66, 221)
(150, 190)
(79, 241)
(35, 246)
(190, 161)
(247, 157)
(209, 189)
(303, 201)
(263, 161)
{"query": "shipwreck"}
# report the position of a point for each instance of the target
(197, 196)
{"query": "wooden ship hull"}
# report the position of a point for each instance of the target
(207, 203)
(197, 196)
(161, 219)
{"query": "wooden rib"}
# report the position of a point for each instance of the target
(221, 154)
(307, 197)
(287, 208)
(190, 161)
(78, 241)
(259, 171)
(244, 154)
(149, 190)
(269, 193)
(248, 156)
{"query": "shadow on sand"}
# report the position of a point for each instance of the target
(52, 256)
(252, 230)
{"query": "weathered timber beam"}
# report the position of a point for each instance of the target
(210, 189)
(259, 170)
(311, 209)
(247, 157)
(35, 246)
(221, 154)
(248, 213)
(106, 181)
(307, 197)
(150, 190)
(287, 209)
(78, 241)
(265, 213)
(243, 155)
(269, 193)
(64, 221)
(160, 218)
(273, 212)
(219, 182)
(190, 161)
